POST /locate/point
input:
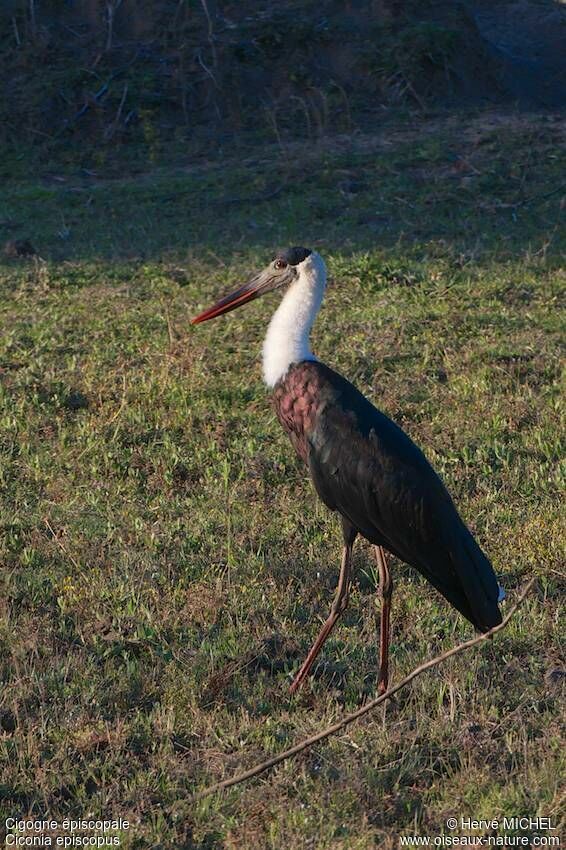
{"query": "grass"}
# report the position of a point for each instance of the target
(166, 563)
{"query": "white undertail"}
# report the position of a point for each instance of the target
(287, 338)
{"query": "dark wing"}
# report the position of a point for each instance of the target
(368, 469)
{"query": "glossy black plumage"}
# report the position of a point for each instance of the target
(366, 468)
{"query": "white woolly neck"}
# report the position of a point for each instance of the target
(287, 339)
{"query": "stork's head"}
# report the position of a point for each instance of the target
(289, 266)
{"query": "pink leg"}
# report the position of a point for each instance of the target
(338, 606)
(386, 591)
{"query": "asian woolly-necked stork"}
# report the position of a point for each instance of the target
(362, 464)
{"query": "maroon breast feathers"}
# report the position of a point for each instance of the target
(296, 399)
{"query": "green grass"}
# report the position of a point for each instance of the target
(165, 561)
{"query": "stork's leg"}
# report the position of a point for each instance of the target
(338, 606)
(386, 591)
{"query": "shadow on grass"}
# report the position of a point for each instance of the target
(490, 188)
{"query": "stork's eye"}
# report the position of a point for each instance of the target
(280, 264)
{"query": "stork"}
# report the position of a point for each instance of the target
(363, 465)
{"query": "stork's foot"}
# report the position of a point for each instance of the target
(338, 606)
(310, 659)
(296, 684)
(298, 680)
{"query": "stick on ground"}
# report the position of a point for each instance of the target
(365, 709)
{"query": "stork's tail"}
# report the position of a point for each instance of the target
(476, 578)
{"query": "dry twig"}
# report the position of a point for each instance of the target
(365, 709)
